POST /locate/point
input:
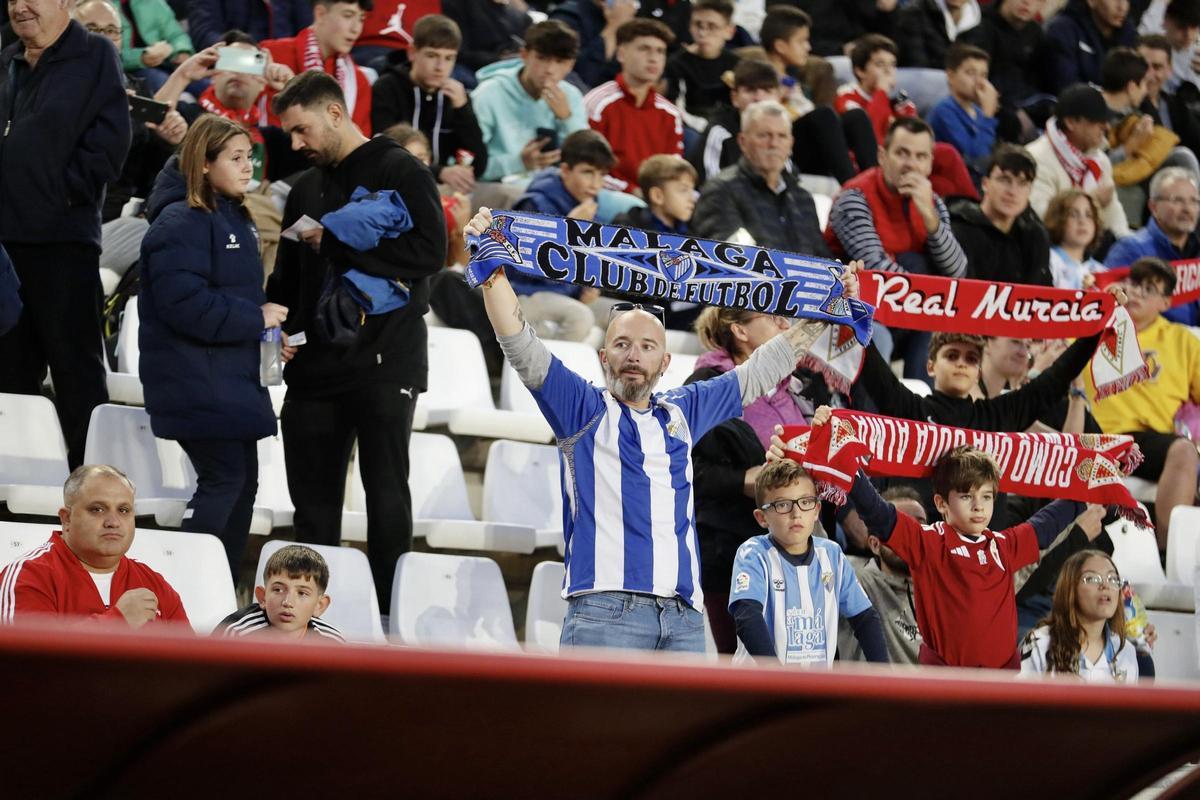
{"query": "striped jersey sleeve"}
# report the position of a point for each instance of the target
(854, 225)
(945, 253)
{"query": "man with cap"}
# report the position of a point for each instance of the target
(1068, 156)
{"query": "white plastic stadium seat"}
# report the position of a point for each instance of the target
(522, 485)
(1135, 552)
(824, 204)
(1183, 544)
(196, 567)
(273, 506)
(546, 608)
(917, 387)
(441, 508)
(458, 376)
(1141, 489)
(124, 385)
(353, 604)
(451, 601)
(678, 371)
(1175, 652)
(578, 357)
(159, 469)
(32, 450)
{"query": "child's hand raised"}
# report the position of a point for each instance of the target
(822, 416)
(1089, 521)
(775, 451)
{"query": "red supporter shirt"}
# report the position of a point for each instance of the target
(963, 590)
(50, 580)
(390, 22)
(634, 132)
(878, 107)
(291, 52)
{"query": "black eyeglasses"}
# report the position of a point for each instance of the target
(659, 312)
(783, 507)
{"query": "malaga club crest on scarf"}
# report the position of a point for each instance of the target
(666, 267)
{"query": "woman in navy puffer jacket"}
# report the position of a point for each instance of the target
(203, 309)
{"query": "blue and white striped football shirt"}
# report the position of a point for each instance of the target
(628, 514)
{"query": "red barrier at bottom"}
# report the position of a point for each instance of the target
(89, 714)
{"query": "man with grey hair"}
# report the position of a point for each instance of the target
(81, 572)
(759, 193)
(632, 565)
(65, 121)
(1171, 232)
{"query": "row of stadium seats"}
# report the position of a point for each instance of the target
(522, 503)
(437, 599)
(460, 392)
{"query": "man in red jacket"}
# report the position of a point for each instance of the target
(325, 46)
(82, 571)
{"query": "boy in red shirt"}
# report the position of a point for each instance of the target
(82, 571)
(873, 59)
(636, 120)
(962, 572)
(325, 46)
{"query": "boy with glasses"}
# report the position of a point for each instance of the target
(1147, 410)
(789, 589)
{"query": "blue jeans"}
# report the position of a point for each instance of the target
(632, 621)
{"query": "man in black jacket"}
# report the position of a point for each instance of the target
(367, 388)
(1168, 109)
(1011, 34)
(423, 94)
(925, 29)
(758, 193)
(66, 127)
(1001, 237)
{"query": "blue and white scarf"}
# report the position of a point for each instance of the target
(666, 267)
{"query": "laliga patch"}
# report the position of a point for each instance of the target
(741, 583)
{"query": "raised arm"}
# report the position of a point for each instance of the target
(1055, 518)
(529, 357)
(775, 360)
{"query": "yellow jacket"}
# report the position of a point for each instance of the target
(1172, 354)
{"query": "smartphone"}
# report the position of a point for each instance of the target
(143, 109)
(241, 59)
(551, 137)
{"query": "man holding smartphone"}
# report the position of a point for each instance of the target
(514, 101)
(65, 121)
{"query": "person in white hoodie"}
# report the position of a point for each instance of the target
(1069, 156)
(518, 102)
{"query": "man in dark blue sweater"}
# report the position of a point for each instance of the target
(66, 126)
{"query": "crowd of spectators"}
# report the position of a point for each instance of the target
(194, 145)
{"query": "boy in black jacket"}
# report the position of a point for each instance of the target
(423, 94)
(367, 388)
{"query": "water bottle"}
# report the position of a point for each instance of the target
(270, 353)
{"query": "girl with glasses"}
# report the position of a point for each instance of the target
(1084, 634)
